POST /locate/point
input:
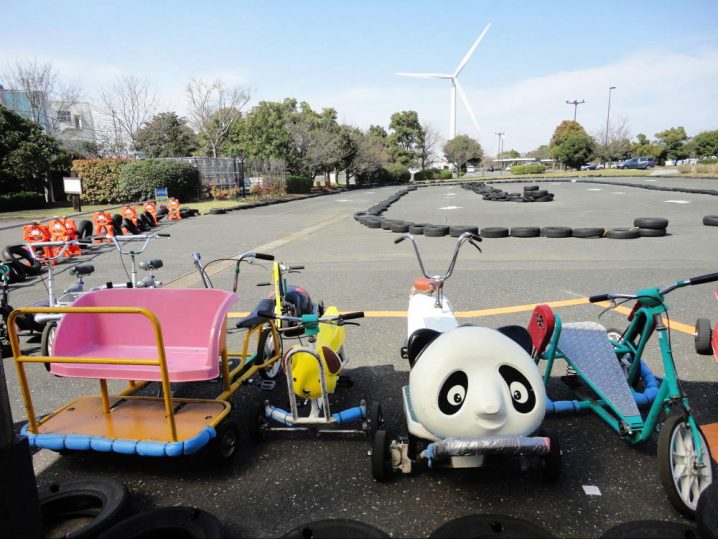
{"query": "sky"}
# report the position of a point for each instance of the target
(662, 57)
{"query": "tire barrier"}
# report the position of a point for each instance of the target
(179, 522)
(489, 526)
(531, 193)
(710, 220)
(335, 528)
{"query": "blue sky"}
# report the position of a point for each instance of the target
(662, 56)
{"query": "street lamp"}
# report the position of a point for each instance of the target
(575, 104)
(608, 115)
(498, 153)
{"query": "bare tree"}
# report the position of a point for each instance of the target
(214, 108)
(126, 105)
(615, 145)
(426, 144)
(371, 154)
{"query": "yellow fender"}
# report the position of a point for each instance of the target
(306, 378)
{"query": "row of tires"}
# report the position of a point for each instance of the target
(259, 204)
(710, 220)
(531, 193)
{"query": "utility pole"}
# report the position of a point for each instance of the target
(498, 153)
(575, 104)
(608, 115)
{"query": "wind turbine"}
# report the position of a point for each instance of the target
(455, 86)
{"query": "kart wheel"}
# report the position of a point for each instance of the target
(375, 419)
(649, 529)
(179, 521)
(47, 341)
(265, 350)
(381, 456)
(21, 256)
(223, 447)
(707, 512)
(551, 462)
(472, 526)
(89, 506)
(702, 337)
(339, 527)
(682, 475)
(256, 422)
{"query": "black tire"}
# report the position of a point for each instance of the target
(375, 223)
(375, 419)
(117, 221)
(84, 229)
(495, 232)
(710, 220)
(622, 233)
(381, 456)
(707, 512)
(150, 220)
(386, 223)
(130, 227)
(47, 341)
(675, 431)
(556, 232)
(458, 230)
(528, 188)
(21, 256)
(649, 529)
(144, 225)
(537, 193)
(651, 232)
(588, 232)
(472, 526)
(217, 211)
(178, 522)
(340, 528)
(400, 227)
(436, 231)
(99, 502)
(418, 228)
(551, 462)
(547, 198)
(650, 222)
(222, 449)
(255, 421)
(265, 350)
(17, 271)
(525, 232)
(702, 337)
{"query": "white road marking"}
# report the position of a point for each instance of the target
(343, 200)
(451, 208)
(450, 194)
(618, 192)
(591, 490)
(595, 189)
(649, 180)
(677, 201)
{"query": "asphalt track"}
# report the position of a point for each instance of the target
(288, 480)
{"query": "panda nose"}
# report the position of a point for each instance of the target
(489, 403)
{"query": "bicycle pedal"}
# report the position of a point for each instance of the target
(267, 385)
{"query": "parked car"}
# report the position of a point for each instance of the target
(638, 162)
(589, 166)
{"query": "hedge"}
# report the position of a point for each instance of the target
(22, 200)
(528, 169)
(433, 174)
(138, 179)
(100, 179)
(298, 185)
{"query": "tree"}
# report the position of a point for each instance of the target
(539, 153)
(617, 145)
(705, 144)
(644, 148)
(407, 132)
(571, 145)
(166, 135)
(426, 145)
(215, 108)
(673, 144)
(509, 154)
(369, 154)
(263, 133)
(463, 149)
(126, 105)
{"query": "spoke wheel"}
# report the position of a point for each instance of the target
(47, 341)
(683, 476)
(265, 350)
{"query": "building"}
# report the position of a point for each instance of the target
(72, 123)
(20, 103)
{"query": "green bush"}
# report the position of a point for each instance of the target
(298, 185)
(528, 169)
(22, 200)
(139, 179)
(398, 173)
(432, 174)
(99, 179)
(445, 174)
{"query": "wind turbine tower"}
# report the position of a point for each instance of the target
(455, 86)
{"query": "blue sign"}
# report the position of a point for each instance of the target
(161, 196)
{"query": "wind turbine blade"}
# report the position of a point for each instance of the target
(471, 51)
(426, 75)
(465, 101)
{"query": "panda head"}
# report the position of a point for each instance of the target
(475, 381)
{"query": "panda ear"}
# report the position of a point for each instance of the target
(417, 343)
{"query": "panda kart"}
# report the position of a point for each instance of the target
(474, 393)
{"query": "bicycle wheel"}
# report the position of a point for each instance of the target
(265, 350)
(682, 474)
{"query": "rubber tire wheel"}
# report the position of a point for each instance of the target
(270, 373)
(472, 526)
(551, 463)
(84, 229)
(117, 221)
(375, 223)
(665, 468)
(222, 449)
(400, 227)
(17, 271)
(707, 512)
(381, 456)
(19, 254)
(495, 232)
(556, 232)
(254, 421)
(375, 419)
(588, 232)
(702, 337)
(179, 522)
(651, 232)
(650, 222)
(335, 528)
(458, 230)
(649, 529)
(418, 229)
(145, 223)
(529, 188)
(622, 233)
(100, 498)
(436, 231)
(525, 232)
(148, 217)
(710, 220)
(130, 226)
(47, 340)
(217, 211)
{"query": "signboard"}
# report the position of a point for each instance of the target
(73, 186)
(161, 196)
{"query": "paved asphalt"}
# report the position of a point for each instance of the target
(288, 480)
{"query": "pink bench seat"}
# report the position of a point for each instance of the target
(193, 329)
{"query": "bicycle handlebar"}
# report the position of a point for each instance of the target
(465, 237)
(40, 244)
(700, 279)
(136, 237)
(325, 320)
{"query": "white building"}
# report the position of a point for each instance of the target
(72, 123)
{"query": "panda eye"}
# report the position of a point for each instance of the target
(522, 394)
(453, 392)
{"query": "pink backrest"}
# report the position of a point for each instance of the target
(188, 318)
(715, 341)
(541, 326)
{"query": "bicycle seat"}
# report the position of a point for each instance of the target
(253, 319)
(422, 284)
(152, 264)
(82, 269)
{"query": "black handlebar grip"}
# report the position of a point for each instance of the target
(476, 237)
(262, 256)
(349, 316)
(266, 314)
(399, 239)
(291, 268)
(701, 279)
(163, 235)
(599, 297)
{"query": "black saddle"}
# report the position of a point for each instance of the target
(253, 319)
(82, 269)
